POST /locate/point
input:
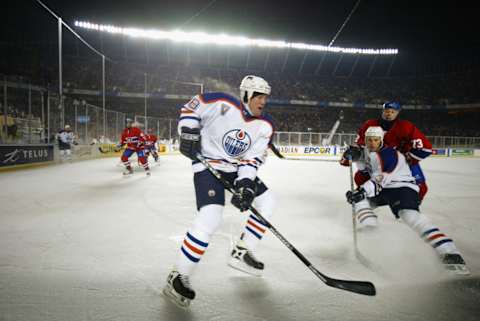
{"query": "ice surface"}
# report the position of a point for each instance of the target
(80, 242)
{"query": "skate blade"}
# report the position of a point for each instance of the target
(175, 298)
(242, 267)
(457, 269)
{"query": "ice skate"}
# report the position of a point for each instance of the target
(128, 171)
(178, 289)
(147, 172)
(455, 264)
(243, 260)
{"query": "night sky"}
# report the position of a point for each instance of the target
(407, 25)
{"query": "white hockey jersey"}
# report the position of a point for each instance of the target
(231, 139)
(66, 137)
(388, 168)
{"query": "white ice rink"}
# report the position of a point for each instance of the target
(80, 242)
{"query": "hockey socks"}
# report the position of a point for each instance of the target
(192, 250)
(254, 228)
(253, 232)
(439, 241)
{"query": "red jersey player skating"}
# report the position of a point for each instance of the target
(399, 134)
(135, 140)
(150, 145)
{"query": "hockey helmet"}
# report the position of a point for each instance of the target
(252, 84)
(393, 105)
(374, 131)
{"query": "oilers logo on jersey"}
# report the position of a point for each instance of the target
(236, 142)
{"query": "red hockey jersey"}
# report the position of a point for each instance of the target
(133, 137)
(150, 140)
(403, 136)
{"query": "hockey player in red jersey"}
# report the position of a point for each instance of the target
(135, 140)
(399, 134)
(150, 145)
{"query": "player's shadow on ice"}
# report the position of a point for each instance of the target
(107, 188)
(175, 313)
(254, 294)
(337, 254)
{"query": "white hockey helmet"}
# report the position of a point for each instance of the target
(374, 131)
(252, 84)
(67, 126)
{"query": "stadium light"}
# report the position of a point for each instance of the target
(225, 40)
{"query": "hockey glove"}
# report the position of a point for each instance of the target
(118, 147)
(410, 160)
(352, 153)
(355, 196)
(245, 193)
(190, 143)
(372, 188)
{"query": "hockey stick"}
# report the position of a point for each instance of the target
(311, 159)
(354, 221)
(116, 150)
(102, 151)
(279, 155)
(362, 259)
(276, 151)
(360, 287)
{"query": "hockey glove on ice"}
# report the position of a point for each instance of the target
(245, 193)
(355, 196)
(190, 143)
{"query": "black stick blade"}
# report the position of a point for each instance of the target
(360, 287)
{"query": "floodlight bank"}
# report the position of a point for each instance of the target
(225, 40)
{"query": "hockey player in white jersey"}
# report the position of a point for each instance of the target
(65, 139)
(391, 183)
(233, 136)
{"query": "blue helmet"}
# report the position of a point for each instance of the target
(392, 104)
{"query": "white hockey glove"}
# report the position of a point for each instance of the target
(372, 188)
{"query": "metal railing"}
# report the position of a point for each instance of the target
(309, 138)
(31, 114)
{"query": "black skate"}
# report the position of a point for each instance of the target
(454, 263)
(178, 289)
(128, 171)
(243, 260)
(147, 172)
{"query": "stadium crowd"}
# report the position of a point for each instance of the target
(435, 91)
